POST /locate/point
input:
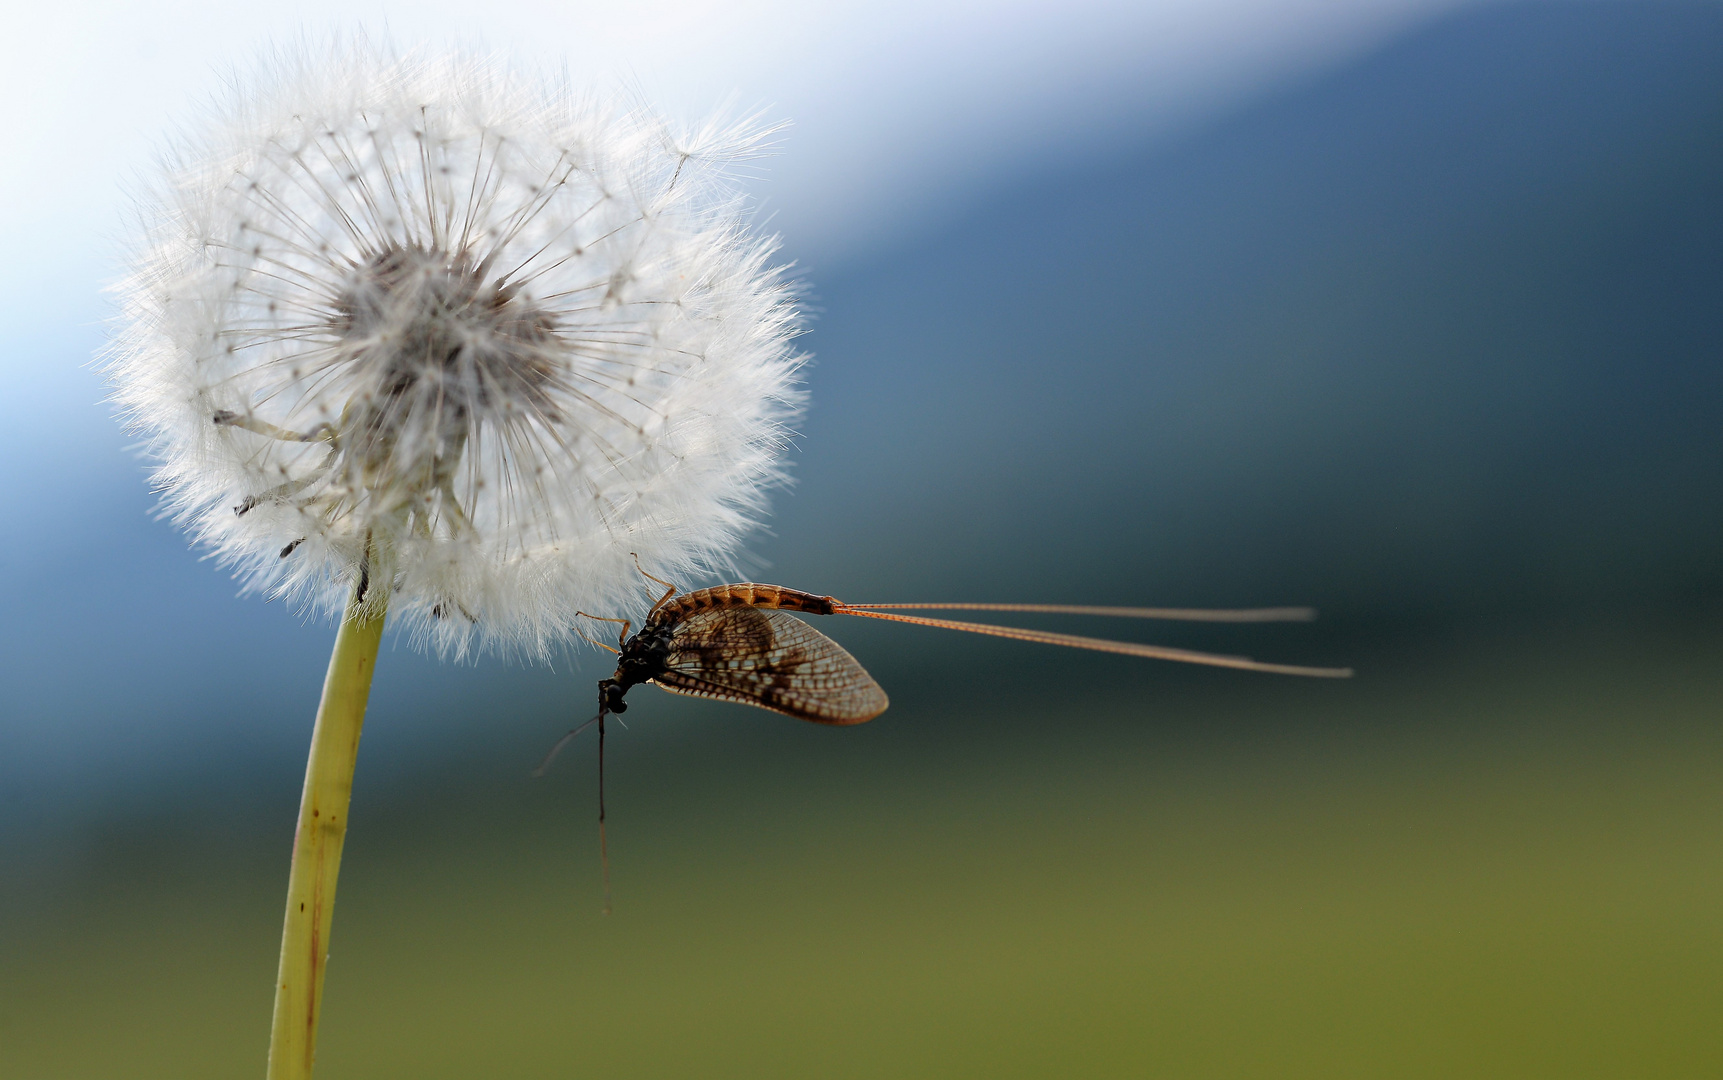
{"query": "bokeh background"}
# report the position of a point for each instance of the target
(1412, 311)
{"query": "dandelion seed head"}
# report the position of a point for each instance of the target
(432, 316)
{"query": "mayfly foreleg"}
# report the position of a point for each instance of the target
(669, 589)
(621, 638)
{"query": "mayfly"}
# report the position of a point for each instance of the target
(740, 643)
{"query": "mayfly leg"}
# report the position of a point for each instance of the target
(669, 589)
(621, 639)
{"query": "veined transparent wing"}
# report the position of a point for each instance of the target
(769, 658)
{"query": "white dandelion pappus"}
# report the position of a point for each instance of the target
(427, 319)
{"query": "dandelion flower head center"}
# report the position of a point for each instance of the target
(434, 347)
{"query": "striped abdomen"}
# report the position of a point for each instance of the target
(744, 594)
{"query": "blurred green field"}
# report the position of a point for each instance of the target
(1494, 864)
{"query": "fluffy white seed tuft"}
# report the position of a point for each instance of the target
(427, 319)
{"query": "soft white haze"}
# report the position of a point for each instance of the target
(897, 107)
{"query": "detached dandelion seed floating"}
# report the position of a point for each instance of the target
(422, 334)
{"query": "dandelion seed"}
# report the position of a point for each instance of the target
(424, 315)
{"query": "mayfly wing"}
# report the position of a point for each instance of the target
(1128, 648)
(771, 659)
(1230, 615)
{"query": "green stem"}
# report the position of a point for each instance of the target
(317, 841)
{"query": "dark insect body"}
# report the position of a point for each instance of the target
(740, 643)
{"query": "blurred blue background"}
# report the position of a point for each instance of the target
(1415, 319)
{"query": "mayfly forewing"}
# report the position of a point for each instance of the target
(771, 659)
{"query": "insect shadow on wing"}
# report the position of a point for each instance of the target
(741, 643)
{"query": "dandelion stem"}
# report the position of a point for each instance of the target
(318, 838)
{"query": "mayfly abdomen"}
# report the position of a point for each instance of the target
(745, 594)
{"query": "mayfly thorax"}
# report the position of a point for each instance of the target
(741, 643)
